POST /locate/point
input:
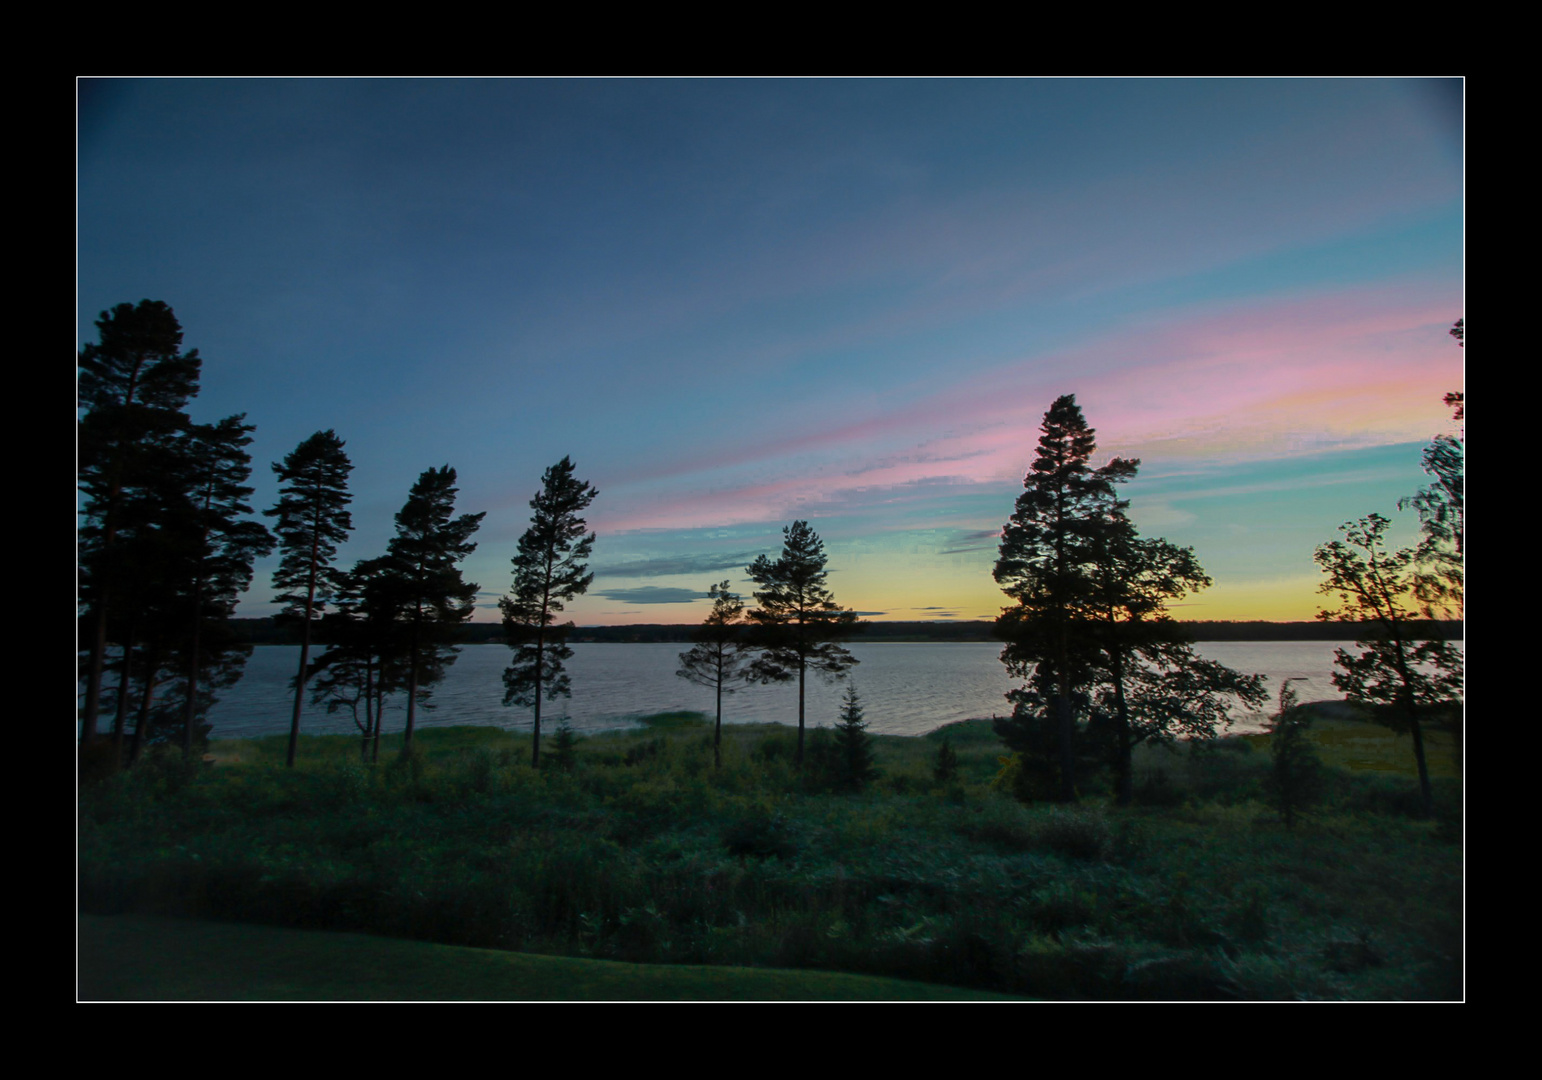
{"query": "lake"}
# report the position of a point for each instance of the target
(907, 688)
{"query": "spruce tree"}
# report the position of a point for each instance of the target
(551, 568)
(420, 582)
(312, 519)
(945, 766)
(720, 659)
(133, 388)
(798, 622)
(853, 745)
(1046, 565)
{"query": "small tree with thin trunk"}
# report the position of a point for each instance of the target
(720, 659)
(1294, 783)
(312, 519)
(798, 622)
(366, 650)
(551, 568)
(1394, 672)
(853, 745)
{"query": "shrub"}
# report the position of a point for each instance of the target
(645, 751)
(1154, 787)
(945, 765)
(1076, 834)
(761, 835)
(1295, 780)
(564, 748)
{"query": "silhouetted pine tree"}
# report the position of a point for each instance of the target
(421, 585)
(798, 622)
(312, 519)
(720, 659)
(550, 569)
(222, 545)
(1046, 565)
(854, 747)
(133, 388)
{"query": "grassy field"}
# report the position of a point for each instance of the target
(644, 854)
(140, 958)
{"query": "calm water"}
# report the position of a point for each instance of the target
(907, 688)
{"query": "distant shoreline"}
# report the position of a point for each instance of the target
(266, 632)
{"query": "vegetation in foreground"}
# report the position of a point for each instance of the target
(632, 847)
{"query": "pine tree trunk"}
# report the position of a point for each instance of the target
(369, 702)
(192, 672)
(1067, 747)
(798, 761)
(137, 745)
(94, 675)
(299, 688)
(1126, 779)
(412, 698)
(374, 756)
(120, 713)
(305, 650)
(540, 656)
(717, 732)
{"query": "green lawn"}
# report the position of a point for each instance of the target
(137, 958)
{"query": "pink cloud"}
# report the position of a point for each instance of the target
(1303, 374)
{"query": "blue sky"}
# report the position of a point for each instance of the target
(739, 302)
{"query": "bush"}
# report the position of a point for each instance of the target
(1153, 787)
(1076, 834)
(762, 835)
(945, 765)
(564, 748)
(1295, 782)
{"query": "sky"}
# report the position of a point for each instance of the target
(736, 303)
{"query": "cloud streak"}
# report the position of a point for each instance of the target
(1298, 375)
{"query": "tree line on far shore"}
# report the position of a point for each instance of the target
(270, 631)
(167, 545)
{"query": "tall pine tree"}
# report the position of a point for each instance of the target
(133, 389)
(222, 545)
(798, 622)
(421, 582)
(1046, 565)
(551, 568)
(311, 520)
